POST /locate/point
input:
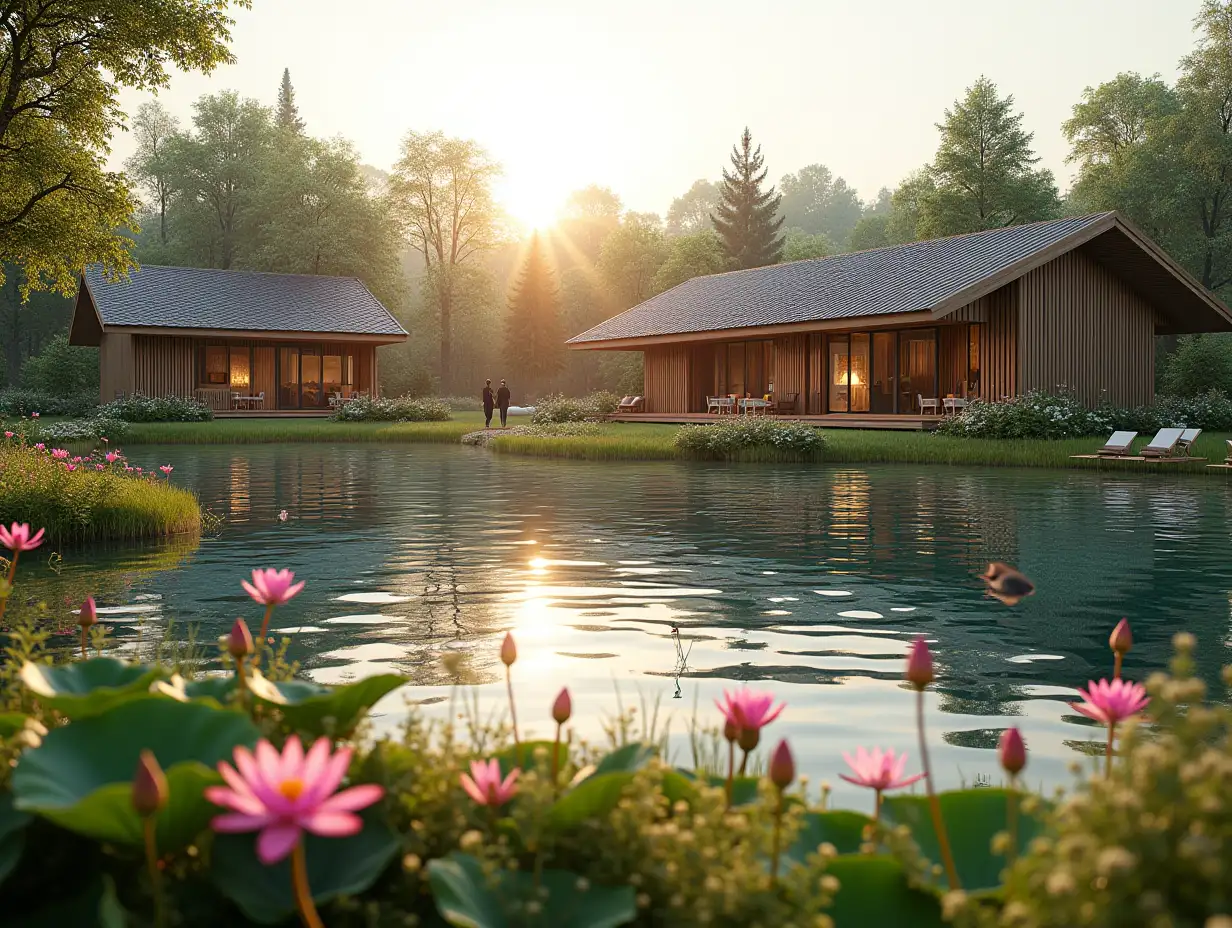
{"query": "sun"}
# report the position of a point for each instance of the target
(534, 203)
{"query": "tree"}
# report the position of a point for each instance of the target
(1199, 363)
(817, 202)
(286, 113)
(153, 128)
(1116, 117)
(441, 194)
(62, 63)
(217, 169)
(870, 232)
(690, 256)
(984, 169)
(690, 212)
(907, 206)
(533, 335)
(630, 259)
(798, 245)
(746, 216)
(61, 369)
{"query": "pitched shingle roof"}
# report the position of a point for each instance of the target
(901, 278)
(204, 298)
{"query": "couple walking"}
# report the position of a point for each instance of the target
(499, 401)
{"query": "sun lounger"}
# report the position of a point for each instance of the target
(634, 405)
(1186, 442)
(1163, 444)
(1118, 445)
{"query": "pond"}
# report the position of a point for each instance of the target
(809, 581)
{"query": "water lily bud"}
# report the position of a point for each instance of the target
(563, 707)
(749, 739)
(920, 664)
(88, 614)
(509, 650)
(150, 790)
(782, 766)
(239, 642)
(1121, 639)
(1012, 752)
(731, 732)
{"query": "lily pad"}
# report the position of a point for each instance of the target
(843, 829)
(12, 834)
(597, 795)
(306, 705)
(81, 776)
(972, 818)
(87, 688)
(681, 784)
(465, 898)
(626, 759)
(509, 758)
(336, 867)
(873, 890)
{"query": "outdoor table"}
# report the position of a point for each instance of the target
(953, 404)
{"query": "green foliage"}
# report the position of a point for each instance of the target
(1034, 414)
(138, 408)
(746, 215)
(73, 431)
(88, 687)
(315, 710)
(63, 68)
(690, 212)
(86, 504)
(689, 256)
(397, 409)
(872, 231)
(630, 259)
(1199, 364)
(553, 409)
(819, 204)
(61, 370)
(984, 169)
(729, 439)
(798, 245)
(12, 834)
(286, 113)
(24, 402)
(533, 333)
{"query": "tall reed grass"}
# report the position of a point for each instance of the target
(268, 431)
(89, 505)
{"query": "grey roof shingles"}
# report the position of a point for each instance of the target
(897, 279)
(205, 298)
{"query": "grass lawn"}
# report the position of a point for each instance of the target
(653, 442)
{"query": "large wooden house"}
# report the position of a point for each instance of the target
(240, 341)
(906, 332)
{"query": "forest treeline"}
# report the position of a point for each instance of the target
(242, 184)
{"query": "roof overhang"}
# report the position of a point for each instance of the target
(256, 334)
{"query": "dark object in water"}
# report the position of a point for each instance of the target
(1006, 584)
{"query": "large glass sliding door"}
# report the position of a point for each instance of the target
(288, 378)
(840, 373)
(859, 372)
(310, 379)
(885, 372)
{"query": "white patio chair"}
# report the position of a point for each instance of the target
(932, 403)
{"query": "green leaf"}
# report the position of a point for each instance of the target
(679, 785)
(594, 797)
(682, 784)
(508, 758)
(972, 818)
(11, 723)
(85, 688)
(465, 898)
(336, 867)
(873, 890)
(626, 759)
(306, 705)
(843, 829)
(97, 907)
(81, 776)
(12, 834)
(218, 689)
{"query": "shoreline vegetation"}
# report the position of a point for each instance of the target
(655, 442)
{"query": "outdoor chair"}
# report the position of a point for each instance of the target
(1163, 444)
(634, 405)
(1185, 443)
(1228, 459)
(786, 405)
(933, 403)
(1118, 445)
(713, 405)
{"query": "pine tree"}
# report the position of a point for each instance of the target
(745, 218)
(533, 333)
(287, 113)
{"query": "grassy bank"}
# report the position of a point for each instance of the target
(265, 431)
(90, 505)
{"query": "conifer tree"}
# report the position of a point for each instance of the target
(746, 215)
(286, 115)
(533, 332)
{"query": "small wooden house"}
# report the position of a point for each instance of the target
(240, 341)
(910, 331)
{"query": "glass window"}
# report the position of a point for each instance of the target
(331, 373)
(917, 368)
(240, 372)
(288, 378)
(840, 375)
(310, 386)
(859, 374)
(735, 368)
(885, 367)
(215, 371)
(973, 360)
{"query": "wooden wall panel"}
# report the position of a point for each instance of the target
(701, 376)
(790, 364)
(115, 366)
(999, 367)
(163, 365)
(263, 380)
(1082, 327)
(667, 378)
(951, 358)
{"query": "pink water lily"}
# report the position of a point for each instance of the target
(485, 786)
(112, 457)
(40, 446)
(8, 434)
(272, 587)
(59, 453)
(167, 469)
(1111, 702)
(17, 537)
(748, 710)
(879, 770)
(69, 467)
(282, 796)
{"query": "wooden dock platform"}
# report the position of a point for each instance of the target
(832, 421)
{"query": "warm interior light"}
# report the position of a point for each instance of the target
(840, 379)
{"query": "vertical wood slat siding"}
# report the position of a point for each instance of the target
(667, 378)
(701, 377)
(997, 315)
(787, 374)
(163, 365)
(952, 358)
(1081, 326)
(263, 380)
(115, 366)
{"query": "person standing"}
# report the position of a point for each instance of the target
(489, 402)
(502, 400)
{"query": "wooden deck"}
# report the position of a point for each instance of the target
(832, 421)
(272, 413)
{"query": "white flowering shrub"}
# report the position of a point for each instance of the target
(727, 439)
(398, 409)
(574, 409)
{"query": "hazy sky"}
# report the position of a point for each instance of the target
(646, 97)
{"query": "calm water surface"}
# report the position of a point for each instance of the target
(808, 581)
